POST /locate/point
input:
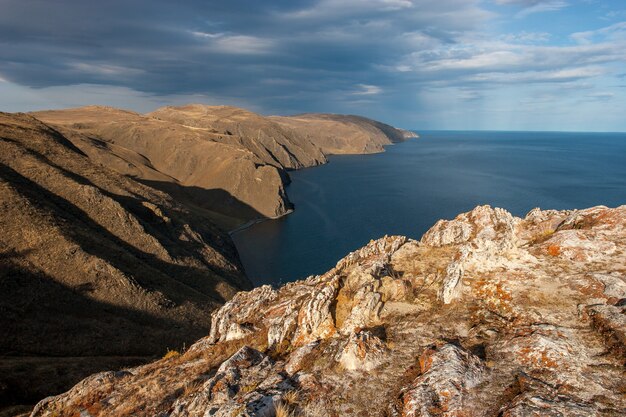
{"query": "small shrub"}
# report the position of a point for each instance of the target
(171, 353)
(542, 236)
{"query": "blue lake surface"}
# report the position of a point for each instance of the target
(355, 198)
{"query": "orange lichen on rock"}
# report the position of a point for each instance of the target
(426, 359)
(554, 250)
(493, 295)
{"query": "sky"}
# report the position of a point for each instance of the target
(422, 64)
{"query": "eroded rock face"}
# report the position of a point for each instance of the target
(447, 374)
(362, 352)
(487, 315)
(247, 384)
(235, 319)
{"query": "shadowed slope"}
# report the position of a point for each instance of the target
(94, 263)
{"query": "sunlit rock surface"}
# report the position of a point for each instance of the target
(488, 315)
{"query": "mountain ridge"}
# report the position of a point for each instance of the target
(194, 149)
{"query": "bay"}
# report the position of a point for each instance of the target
(341, 206)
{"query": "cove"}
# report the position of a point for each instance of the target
(342, 205)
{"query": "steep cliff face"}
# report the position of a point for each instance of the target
(487, 315)
(94, 264)
(227, 161)
(199, 166)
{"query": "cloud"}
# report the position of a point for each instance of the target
(103, 69)
(235, 44)
(470, 95)
(616, 31)
(242, 44)
(367, 90)
(534, 6)
(526, 37)
(601, 95)
(378, 58)
(549, 6)
(336, 8)
(552, 76)
(504, 62)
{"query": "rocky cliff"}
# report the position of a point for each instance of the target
(94, 265)
(228, 162)
(487, 315)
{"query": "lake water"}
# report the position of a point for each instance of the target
(343, 205)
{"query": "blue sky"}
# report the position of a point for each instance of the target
(423, 64)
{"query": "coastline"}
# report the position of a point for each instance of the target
(253, 222)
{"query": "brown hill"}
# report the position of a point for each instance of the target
(93, 264)
(268, 140)
(199, 166)
(223, 159)
(343, 134)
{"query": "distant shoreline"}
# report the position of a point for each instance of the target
(257, 221)
(251, 223)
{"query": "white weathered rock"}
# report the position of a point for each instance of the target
(378, 251)
(614, 284)
(247, 384)
(539, 347)
(295, 360)
(447, 374)
(482, 223)
(282, 322)
(365, 311)
(231, 322)
(540, 399)
(454, 273)
(487, 238)
(315, 320)
(610, 321)
(362, 352)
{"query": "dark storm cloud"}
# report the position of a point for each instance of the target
(221, 47)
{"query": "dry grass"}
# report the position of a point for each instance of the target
(192, 387)
(283, 410)
(291, 397)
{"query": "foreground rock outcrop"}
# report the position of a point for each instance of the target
(487, 315)
(229, 162)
